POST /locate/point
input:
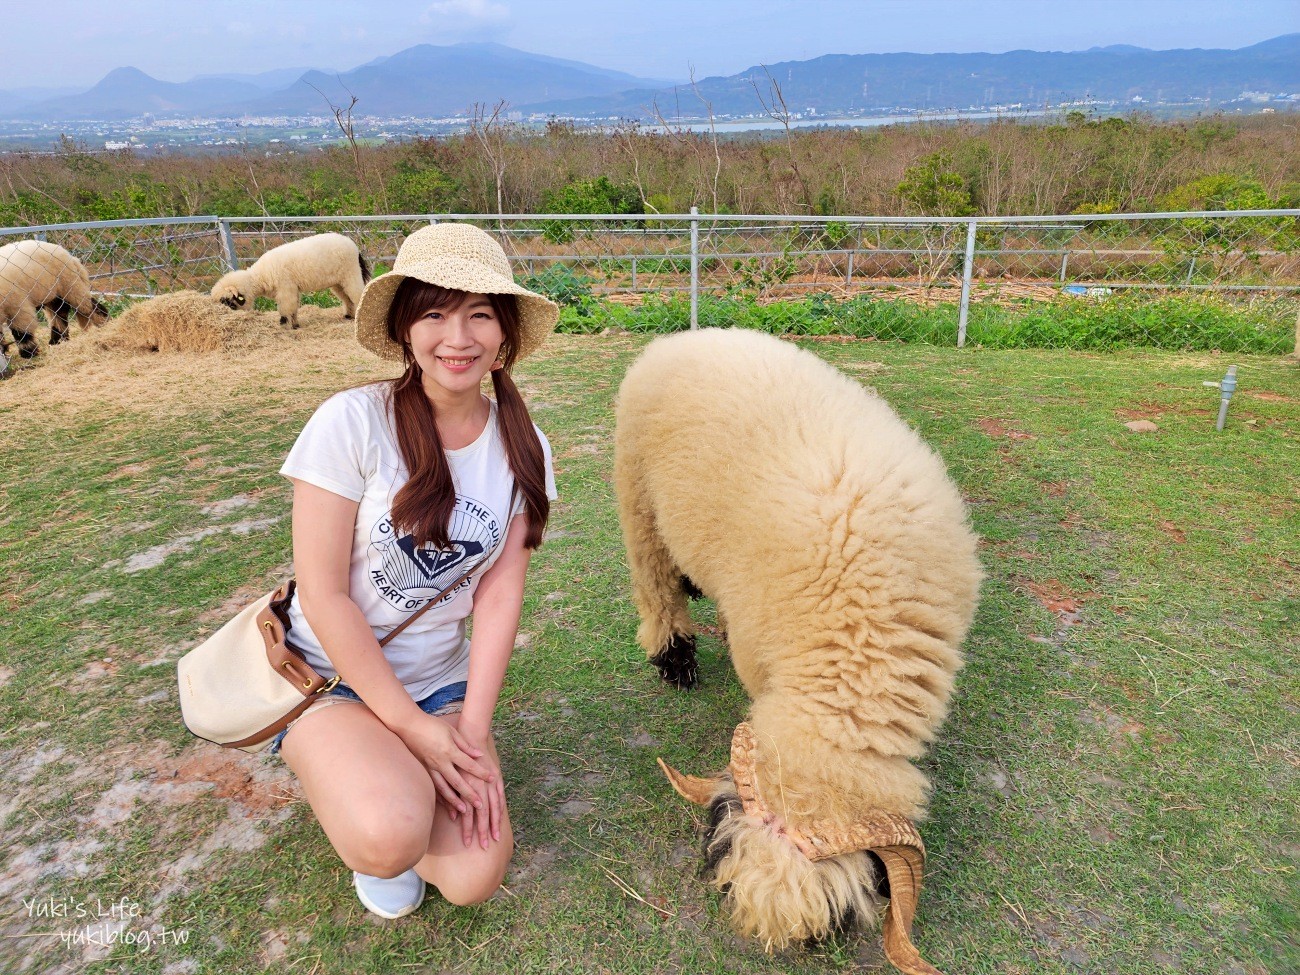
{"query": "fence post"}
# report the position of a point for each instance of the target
(227, 245)
(695, 269)
(848, 277)
(1065, 262)
(967, 267)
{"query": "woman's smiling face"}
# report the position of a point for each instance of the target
(456, 344)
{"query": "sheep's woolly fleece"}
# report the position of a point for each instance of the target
(35, 273)
(840, 557)
(284, 273)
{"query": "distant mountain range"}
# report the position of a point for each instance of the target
(432, 82)
(856, 83)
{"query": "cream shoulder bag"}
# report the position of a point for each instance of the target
(246, 683)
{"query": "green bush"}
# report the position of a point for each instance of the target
(597, 195)
(1114, 322)
(562, 284)
(933, 188)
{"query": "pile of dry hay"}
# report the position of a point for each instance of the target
(172, 353)
(185, 321)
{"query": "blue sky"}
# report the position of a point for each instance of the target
(75, 42)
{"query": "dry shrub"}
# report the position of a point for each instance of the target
(184, 321)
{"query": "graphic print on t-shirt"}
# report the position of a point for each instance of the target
(407, 576)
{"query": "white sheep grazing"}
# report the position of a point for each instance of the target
(844, 571)
(286, 272)
(37, 274)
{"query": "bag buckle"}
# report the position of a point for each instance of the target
(329, 685)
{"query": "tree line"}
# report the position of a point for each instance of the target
(1077, 165)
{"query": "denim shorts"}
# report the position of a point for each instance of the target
(445, 700)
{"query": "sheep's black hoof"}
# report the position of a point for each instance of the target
(347, 318)
(676, 662)
(691, 589)
(283, 320)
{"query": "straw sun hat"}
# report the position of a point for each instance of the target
(459, 256)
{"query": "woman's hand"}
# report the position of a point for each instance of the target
(461, 775)
(484, 818)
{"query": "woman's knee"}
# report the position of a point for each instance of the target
(473, 887)
(386, 840)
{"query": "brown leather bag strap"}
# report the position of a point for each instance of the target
(285, 660)
(425, 608)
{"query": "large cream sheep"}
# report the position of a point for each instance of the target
(37, 274)
(844, 571)
(286, 272)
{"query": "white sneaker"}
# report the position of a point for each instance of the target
(390, 897)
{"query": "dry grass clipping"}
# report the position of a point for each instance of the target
(185, 353)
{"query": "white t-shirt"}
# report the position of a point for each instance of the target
(349, 447)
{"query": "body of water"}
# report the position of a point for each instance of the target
(861, 122)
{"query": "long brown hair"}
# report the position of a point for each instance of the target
(424, 504)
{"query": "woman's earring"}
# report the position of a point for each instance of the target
(500, 362)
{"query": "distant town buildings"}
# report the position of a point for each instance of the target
(286, 133)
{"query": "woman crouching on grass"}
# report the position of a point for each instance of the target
(402, 489)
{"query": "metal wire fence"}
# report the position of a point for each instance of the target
(1227, 280)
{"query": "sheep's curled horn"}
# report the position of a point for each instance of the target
(891, 838)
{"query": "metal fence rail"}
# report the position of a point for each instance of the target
(955, 263)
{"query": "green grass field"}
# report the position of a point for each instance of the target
(1116, 790)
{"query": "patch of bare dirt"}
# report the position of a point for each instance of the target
(153, 557)
(259, 788)
(1056, 597)
(531, 864)
(128, 470)
(1173, 531)
(219, 509)
(1119, 728)
(999, 430)
(124, 784)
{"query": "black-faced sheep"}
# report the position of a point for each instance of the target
(286, 272)
(844, 571)
(37, 274)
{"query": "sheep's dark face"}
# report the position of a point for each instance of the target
(99, 313)
(234, 301)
